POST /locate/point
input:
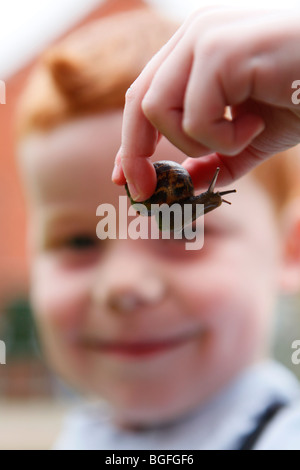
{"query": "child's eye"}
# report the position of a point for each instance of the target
(80, 242)
(75, 251)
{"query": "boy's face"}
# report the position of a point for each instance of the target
(154, 329)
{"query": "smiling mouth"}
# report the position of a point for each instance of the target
(137, 349)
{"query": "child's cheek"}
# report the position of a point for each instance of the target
(217, 294)
(224, 305)
(60, 297)
(204, 292)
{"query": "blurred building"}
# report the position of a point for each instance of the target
(25, 373)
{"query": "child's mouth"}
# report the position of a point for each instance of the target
(136, 349)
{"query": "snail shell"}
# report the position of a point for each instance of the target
(174, 185)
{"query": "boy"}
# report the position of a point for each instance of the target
(175, 343)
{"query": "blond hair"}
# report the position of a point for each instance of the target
(90, 71)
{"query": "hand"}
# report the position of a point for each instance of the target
(220, 57)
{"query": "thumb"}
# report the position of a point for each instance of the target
(231, 168)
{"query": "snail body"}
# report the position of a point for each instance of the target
(175, 186)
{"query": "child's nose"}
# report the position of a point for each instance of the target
(130, 285)
(129, 298)
(130, 294)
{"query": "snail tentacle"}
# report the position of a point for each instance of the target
(214, 180)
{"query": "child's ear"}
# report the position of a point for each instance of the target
(290, 275)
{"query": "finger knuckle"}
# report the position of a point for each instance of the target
(192, 129)
(194, 152)
(229, 150)
(210, 44)
(226, 146)
(151, 107)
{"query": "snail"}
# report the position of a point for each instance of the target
(174, 185)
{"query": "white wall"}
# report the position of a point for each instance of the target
(27, 26)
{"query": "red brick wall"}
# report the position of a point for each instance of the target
(13, 266)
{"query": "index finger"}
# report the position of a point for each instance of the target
(139, 136)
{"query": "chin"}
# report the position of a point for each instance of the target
(143, 418)
(150, 413)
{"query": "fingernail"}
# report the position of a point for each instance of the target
(260, 128)
(133, 191)
(117, 172)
